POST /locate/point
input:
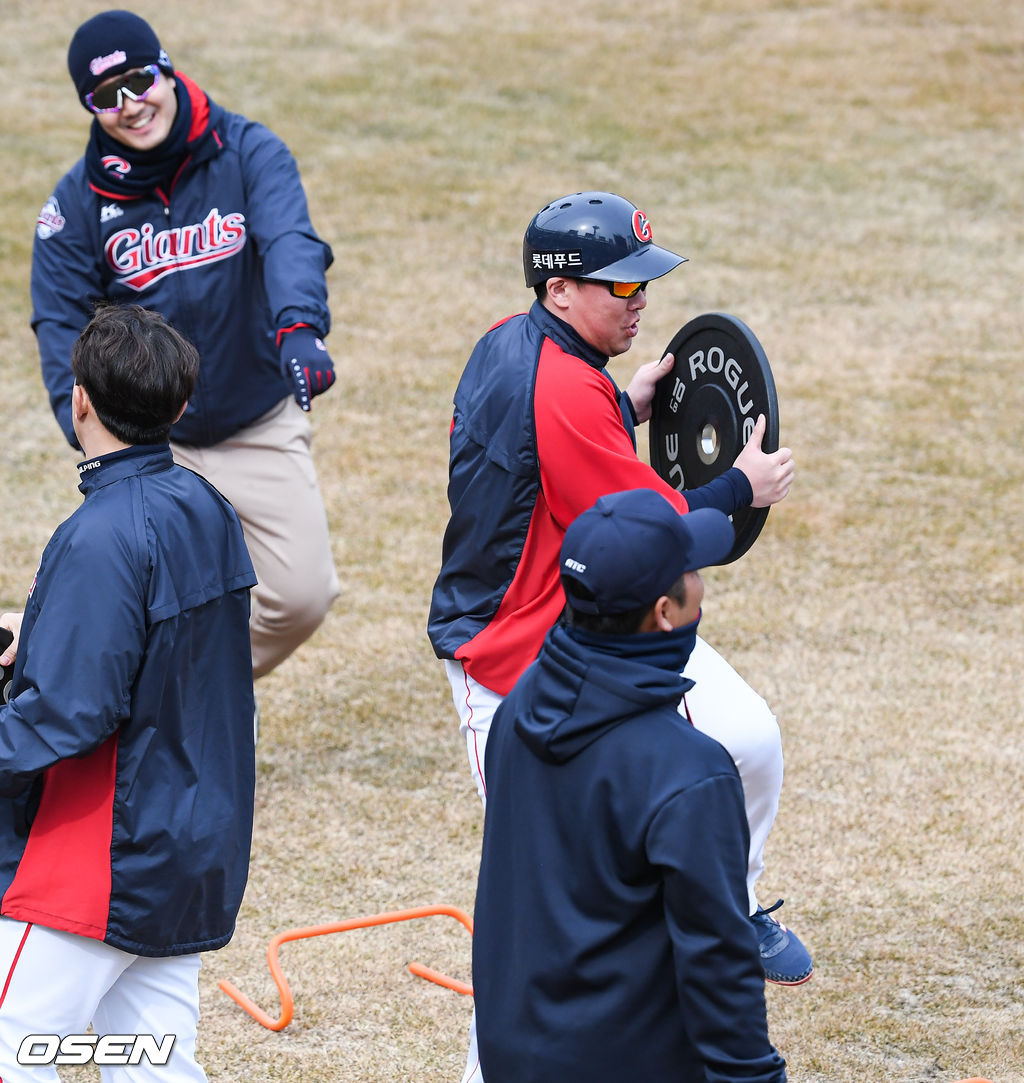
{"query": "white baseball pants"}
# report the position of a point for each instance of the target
(57, 983)
(721, 704)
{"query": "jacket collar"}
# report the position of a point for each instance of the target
(204, 140)
(138, 459)
(565, 336)
(582, 686)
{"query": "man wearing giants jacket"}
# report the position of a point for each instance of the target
(198, 213)
(539, 432)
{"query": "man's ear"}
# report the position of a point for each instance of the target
(661, 617)
(184, 407)
(657, 619)
(81, 404)
(558, 292)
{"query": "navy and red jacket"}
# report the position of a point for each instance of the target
(611, 939)
(127, 760)
(229, 256)
(540, 431)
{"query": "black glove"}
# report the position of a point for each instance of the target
(306, 363)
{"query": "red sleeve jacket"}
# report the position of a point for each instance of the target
(127, 766)
(538, 435)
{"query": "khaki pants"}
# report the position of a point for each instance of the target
(266, 471)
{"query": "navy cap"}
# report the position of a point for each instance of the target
(630, 548)
(111, 43)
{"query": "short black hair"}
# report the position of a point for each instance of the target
(615, 624)
(137, 370)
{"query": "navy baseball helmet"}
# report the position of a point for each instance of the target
(593, 235)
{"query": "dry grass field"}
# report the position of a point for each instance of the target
(848, 178)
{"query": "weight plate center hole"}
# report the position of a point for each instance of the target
(708, 444)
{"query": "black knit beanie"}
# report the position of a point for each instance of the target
(110, 43)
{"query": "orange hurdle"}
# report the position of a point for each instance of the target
(288, 1004)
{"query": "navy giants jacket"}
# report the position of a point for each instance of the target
(227, 257)
(611, 938)
(126, 750)
(540, 431)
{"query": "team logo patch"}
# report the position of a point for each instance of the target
(642, 227)
(141, 256)
(114, 164)
(50, 220)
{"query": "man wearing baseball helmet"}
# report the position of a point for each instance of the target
(540, 431)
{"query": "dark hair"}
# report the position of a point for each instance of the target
(137, 370)
(615, 624)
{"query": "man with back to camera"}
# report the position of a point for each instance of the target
(127, 759)
(200, 214)
(611, 936)
(539, 432)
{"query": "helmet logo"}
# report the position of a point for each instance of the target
(558, 261)
(642, 227)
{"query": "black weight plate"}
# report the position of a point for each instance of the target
(705, 410)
